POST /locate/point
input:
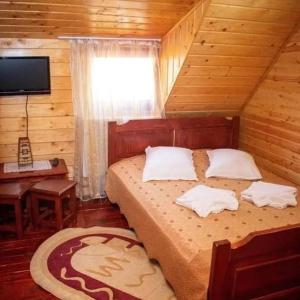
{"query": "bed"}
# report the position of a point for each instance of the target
(217, 257)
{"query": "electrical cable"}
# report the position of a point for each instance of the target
(26, 110)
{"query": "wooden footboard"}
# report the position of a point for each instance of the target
(265, 265)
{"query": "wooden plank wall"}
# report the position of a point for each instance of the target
(175, 46)
(236, 42)
(271, 120)
(51, 124)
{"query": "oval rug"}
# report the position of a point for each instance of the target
(97, 263)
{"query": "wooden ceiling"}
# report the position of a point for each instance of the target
(233, 47)
(123, 18)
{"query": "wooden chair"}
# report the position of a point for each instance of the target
(13, 194)
(265, 265)
(58, 191)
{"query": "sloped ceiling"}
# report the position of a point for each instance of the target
(176, 44)
(234, 46)
(124, 18)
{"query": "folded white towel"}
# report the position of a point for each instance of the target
(205, 200)
(275, 195)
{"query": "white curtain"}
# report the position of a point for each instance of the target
(113, 80)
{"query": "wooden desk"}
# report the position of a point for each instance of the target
(60, 171)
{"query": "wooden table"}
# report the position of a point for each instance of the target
(60, 171)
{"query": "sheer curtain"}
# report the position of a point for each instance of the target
(113, 80)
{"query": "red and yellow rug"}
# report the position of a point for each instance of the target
(98, 263)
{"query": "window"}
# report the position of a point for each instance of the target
(125, 85)
(112, 80)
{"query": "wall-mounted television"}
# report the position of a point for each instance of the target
(27, 75)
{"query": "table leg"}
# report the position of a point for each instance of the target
(18, 215)
(28, 215)
(34, 209)
(58, 213)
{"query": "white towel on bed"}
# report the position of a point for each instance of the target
(205, 200)
(275, 195)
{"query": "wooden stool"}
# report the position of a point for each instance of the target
(12, 194)
(58, 191)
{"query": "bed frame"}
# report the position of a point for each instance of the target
(264, 265)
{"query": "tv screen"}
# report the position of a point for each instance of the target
(24, 75)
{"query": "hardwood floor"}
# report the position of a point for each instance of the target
(15, 255)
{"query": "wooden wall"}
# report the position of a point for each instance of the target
(175, 46)
(236, 42)
(271, 120)
(51, 124)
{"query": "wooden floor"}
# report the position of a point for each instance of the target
(15, 255)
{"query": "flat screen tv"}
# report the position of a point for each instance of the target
(24, 75)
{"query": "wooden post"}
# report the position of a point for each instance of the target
(220, 258)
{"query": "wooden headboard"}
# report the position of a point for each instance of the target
(132, 138)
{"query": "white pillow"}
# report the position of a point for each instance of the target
(231, 163)
(169, 163)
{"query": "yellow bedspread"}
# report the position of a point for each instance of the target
(176, 236)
